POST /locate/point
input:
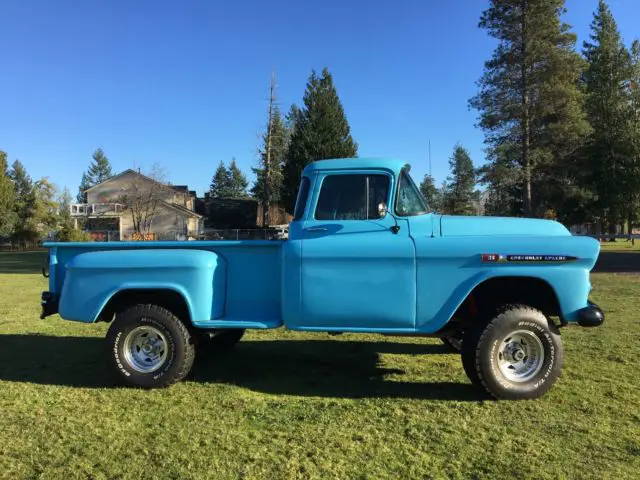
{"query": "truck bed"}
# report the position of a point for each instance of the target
(239, 282)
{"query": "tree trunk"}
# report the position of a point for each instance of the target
(267, 182)
(528, 210)
(526, 128)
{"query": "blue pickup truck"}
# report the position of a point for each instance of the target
(364, 254)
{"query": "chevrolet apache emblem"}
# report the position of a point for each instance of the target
(500, 258)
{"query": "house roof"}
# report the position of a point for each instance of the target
(181, 209)
(121, 174)
(177, 188)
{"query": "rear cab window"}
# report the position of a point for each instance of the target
(301, 200)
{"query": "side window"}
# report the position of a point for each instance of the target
(409, 201)
(301, 201)
(351, 197)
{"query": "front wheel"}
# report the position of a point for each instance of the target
(517, 355)
(149, 347)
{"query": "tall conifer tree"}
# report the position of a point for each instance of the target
(99, 170)
(606, 81)
(321, 131)
(530, 106)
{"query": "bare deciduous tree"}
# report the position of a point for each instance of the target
(141, 197)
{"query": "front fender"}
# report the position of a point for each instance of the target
(198, 276)
(449, 268)
(571, 287)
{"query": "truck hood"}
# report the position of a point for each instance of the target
(457, 226)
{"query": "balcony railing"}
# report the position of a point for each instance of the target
(96, 209)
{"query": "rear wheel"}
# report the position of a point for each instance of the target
(516, 355)
(149, 347)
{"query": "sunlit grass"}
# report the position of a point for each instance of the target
(290, 405)
(621, 245)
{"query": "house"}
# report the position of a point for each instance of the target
(115, 206)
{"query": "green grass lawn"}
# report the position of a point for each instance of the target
(290, 405)
(621, 245)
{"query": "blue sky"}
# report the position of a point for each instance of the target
(185, 84)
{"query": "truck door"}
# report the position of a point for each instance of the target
(355, 272)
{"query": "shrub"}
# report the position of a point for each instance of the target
(67, 234)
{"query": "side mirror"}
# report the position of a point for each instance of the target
(382, 209)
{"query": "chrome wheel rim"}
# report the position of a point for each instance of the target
(145, 349)
(520, 356)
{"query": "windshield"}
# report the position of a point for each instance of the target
(409, 201)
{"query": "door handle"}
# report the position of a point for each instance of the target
(316, 229)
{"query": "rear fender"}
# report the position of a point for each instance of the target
(198, 276)
(142, 291)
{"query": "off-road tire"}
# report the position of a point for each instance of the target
(180, 350)
(482, 347)
(221, 340)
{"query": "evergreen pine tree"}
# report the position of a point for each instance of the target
(237, 181)
(25, 203)
(99, 170)
(85, 183)
(634, 135)
(64, 211)
(634, 89)
(503, 180)
(279, 141)
(461, 184)
(531, 108)
(220, 183)
(431, 193)
(21, 180)
(320, 131)
(606, 80)
(291, 119)
(7, 199)
(66, 228)
(444, 198)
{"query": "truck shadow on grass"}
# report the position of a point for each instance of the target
(324, 368)
(327, 368)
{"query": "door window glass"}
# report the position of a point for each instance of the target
(352, 197)
(409, 201)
